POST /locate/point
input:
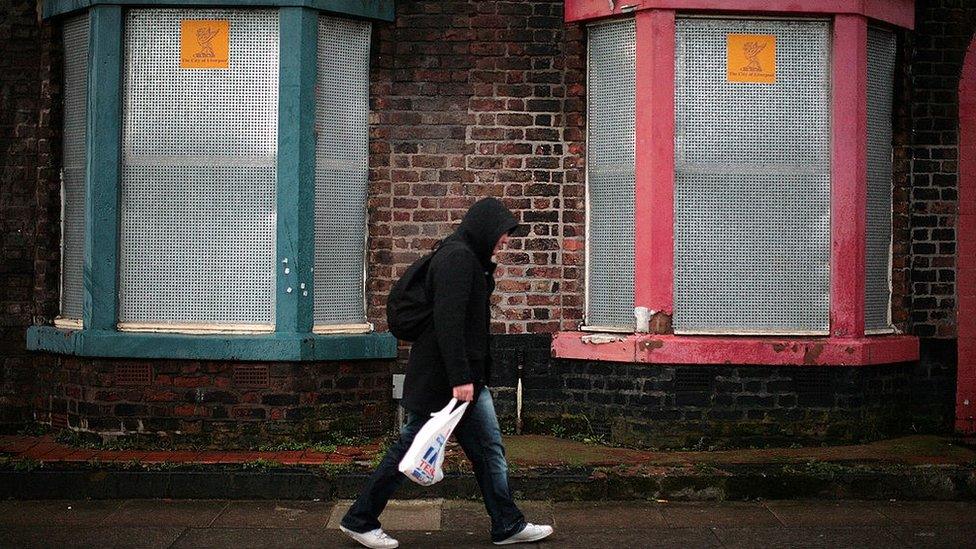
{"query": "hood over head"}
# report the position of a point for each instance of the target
(486, 221)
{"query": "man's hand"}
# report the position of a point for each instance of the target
(464, 393)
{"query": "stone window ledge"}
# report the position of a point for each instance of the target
(263, 347)
(765, 351)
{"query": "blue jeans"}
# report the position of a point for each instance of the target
(480, 438)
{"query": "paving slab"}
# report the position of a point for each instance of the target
(229, 457)
(100, 536)
(930, 512)
(471, 516)
(15, 444)
(82, 454)
(177, 456)
(288, 456)
(419, 514)
(440, 540)
(728, 514)
(259, 538)
(650, 538)
(464, 523)
(828, 513)
(275, 514)
(948, 536)
(56, 512)
(591, 516)
(166, 512)
(791, 537)
(54, 452)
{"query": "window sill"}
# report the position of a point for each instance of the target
(273, 346)
(766, 351)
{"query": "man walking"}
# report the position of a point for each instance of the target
(452, 358)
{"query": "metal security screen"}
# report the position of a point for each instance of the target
(198, 178)
(752, 177)
(341, 108)
(73, 175)
(610, 175)
(877, 284)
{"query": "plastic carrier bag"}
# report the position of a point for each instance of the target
(424, 460)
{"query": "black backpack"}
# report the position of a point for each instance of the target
(409, 310)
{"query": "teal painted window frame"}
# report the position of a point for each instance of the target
(377, 10)
(266, 347)
(292, 339)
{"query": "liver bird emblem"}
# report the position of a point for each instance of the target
(751, 51)
(205, 36)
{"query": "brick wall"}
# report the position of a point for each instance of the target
(220, 403)
(472, 99)
(30, 122)
(723, 406)
(486, 98)
(468, 99)
(943, 32)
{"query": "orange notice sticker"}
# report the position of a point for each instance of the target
(204, 44)
(751, 58)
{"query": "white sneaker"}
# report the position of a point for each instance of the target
(531, 532)
(374, 539)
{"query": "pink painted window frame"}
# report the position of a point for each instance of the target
(966, 249)
(847, 344)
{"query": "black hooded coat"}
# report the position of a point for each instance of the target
(454, 349)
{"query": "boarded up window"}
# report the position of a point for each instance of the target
(877, 284)
(341, 162)
(610, 175)
(76, 32)
(198, 200)
(752, 177)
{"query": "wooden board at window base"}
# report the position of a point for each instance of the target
(204, 44)
(751, 58)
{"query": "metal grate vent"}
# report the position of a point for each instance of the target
(610, 91)
(877, 285)
(251, 375)
(752, 182)
(198, 220)
(341, 147)
(133, 374)
(76, 32)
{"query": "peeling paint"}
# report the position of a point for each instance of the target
(661, 323)
(652, 344)
(643, 318)
(813, 353)
(601, 339)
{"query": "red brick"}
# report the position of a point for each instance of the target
(196, 381)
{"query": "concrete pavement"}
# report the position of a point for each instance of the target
(453, 523)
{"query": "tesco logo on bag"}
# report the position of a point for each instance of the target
(427, 469)
(424, 459)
